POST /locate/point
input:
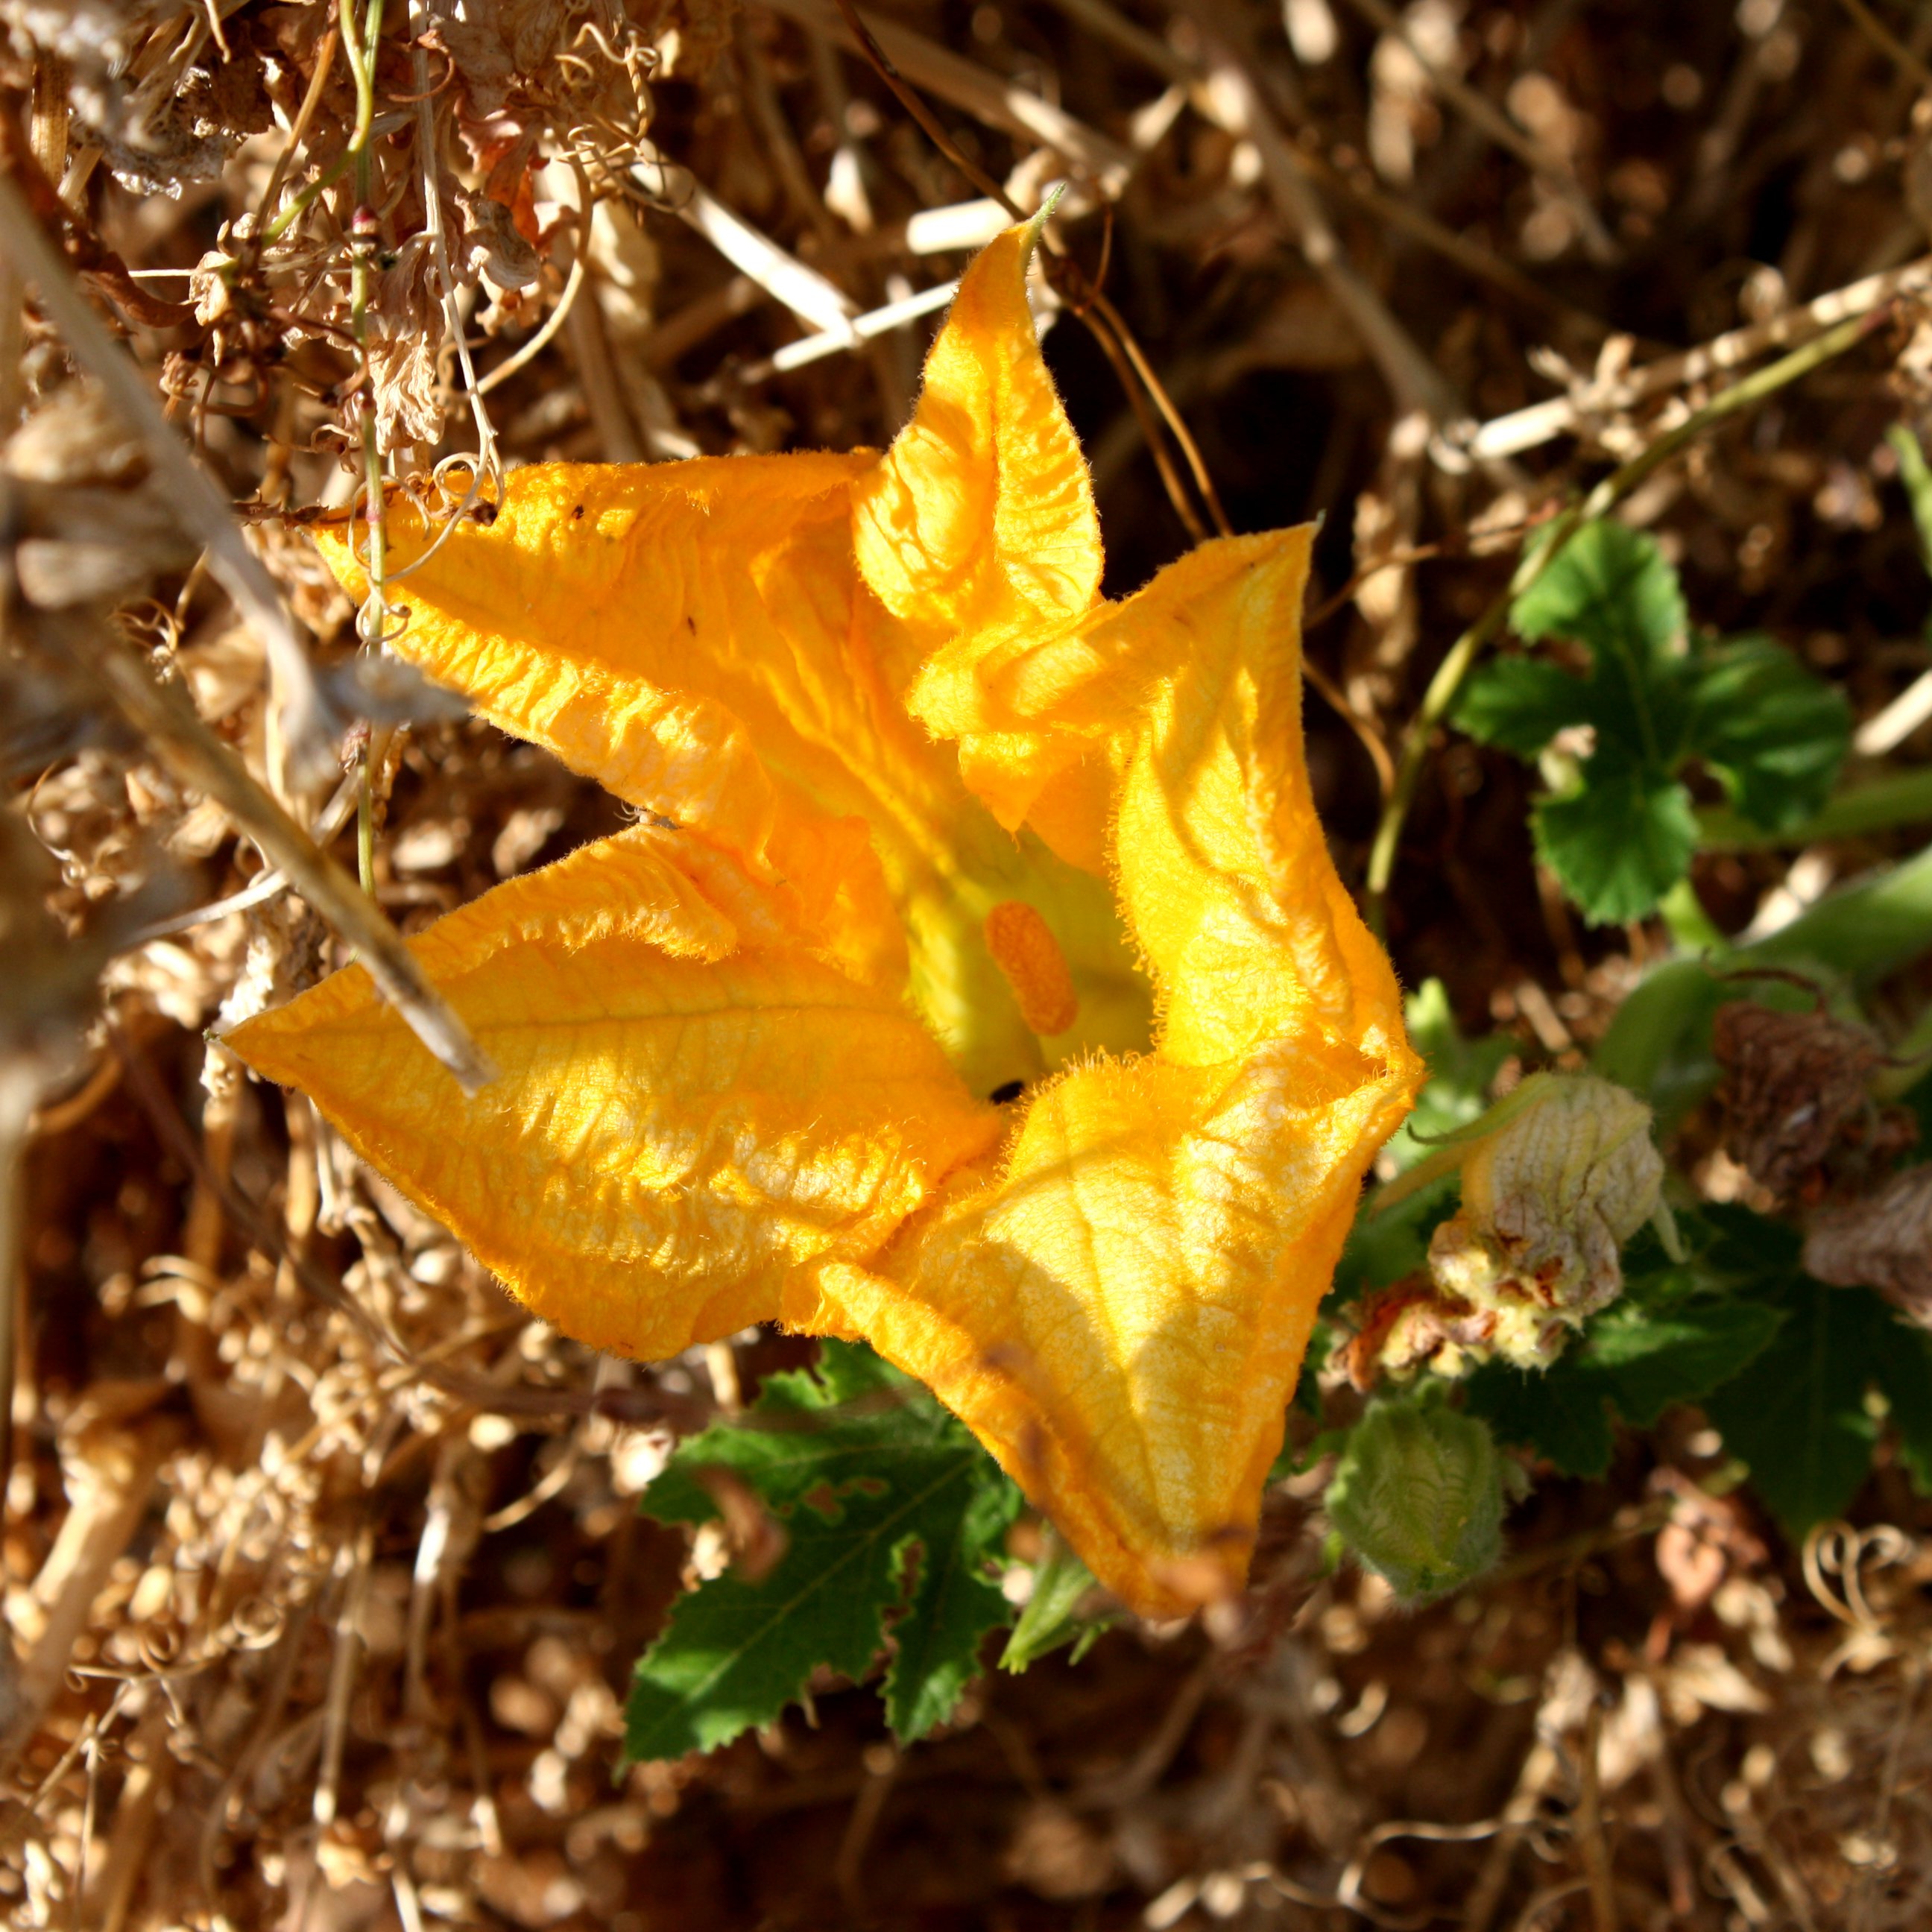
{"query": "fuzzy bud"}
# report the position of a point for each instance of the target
(1418, 1494)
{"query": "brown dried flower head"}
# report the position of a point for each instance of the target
(1797, 1099)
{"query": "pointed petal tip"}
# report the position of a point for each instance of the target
(1036, 225)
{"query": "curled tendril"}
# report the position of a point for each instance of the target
(257, 1623)
(158, 1645)
(1837, 1550)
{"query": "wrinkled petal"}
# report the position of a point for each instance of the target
(1548, 1200)
(1224, 872)
(692, 1106)
(716, 1106)
(980, 520)
(676, 631)
(1119, 1311)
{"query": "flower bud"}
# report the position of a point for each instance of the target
(1417, 1496)
(1555, 1178)
(1548, 1200)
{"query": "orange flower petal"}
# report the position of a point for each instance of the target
(980, 519)
(677, 631)
(692, 1106)
(715, 1105)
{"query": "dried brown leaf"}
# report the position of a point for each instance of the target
(1884, 1241)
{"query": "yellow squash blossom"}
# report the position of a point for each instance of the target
(975, 981)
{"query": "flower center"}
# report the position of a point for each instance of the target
(1025, 950)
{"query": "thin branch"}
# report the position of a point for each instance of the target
(865, 42)
(989, 97)
(488, 465)
(256, 1226)
(204, 512)
(1371, 740)
(1104, 20)
(817, 302)
(1887, 42)
(19, 1093)
(1109, 329)
(1542, 422)
(1104, 333)
(1477, 108)
(164, 715)
(311, 105)
(559, 312)
(1413, 380)
(1157, 390)
(866, 327)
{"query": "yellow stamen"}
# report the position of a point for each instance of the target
(1025, 950)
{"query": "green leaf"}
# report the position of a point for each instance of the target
(1059, 1581)
(831, 1424)
(1418, 1494)
(1887, 803)
(1659, 1042)
(1868, 930)
(868, 1477)
(1774, 733)
(1621, 830)
(1382, 1248)
(1562, 1414)
(1905, 1375)
(1678, 1334)
(1610, 588)
(1519, 704)
(1619, 843)
(1797, 1415)
(1650, 1361)
(1812, 1429)
(1460, 1071)
(1914, 473)
(954, 1603)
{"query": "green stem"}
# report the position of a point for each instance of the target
(1912, 1055)
(362, 68)
(1462, 654)
(293, 208)
(375, 751)
(365, 825)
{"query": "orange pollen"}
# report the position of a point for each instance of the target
(1025, 950)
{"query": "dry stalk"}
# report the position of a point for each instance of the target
(164, 717)
(112, 1472)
